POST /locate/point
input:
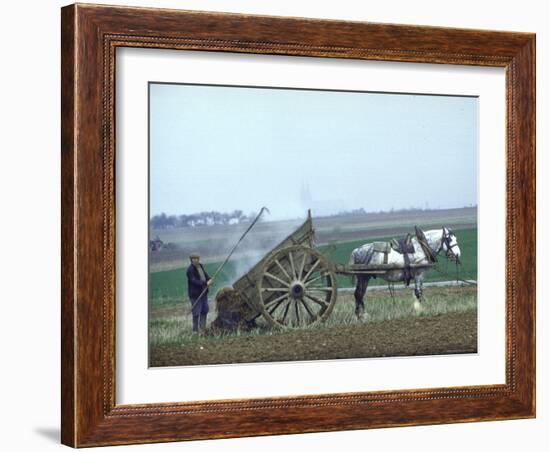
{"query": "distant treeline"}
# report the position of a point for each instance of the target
(164, 221)
(360, 212)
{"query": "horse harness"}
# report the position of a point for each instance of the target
(446, 239)
(423, 241)
(405, 247)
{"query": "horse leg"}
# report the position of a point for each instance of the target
(360, 290)
(418, 283)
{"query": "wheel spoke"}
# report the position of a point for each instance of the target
(322, 289)
(320, 302)
(291, 259)
(286, 311)
(274, 307)
(283, 270)
(308, 309)
(275, 289)
(275, 300)
(299, 275)
(297, 312)
(276, 278)
(317, 262)
(322, 275)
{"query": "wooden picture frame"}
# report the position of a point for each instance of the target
(90, 36)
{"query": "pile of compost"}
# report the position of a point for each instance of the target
(232, 313)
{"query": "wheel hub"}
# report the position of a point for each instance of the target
(297, 289)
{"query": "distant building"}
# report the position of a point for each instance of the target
(320, 208)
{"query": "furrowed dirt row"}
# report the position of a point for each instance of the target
(450, 333)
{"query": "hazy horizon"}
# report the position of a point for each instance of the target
(374, 212)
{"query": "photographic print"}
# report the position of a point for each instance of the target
(272, 203)
(294, 224)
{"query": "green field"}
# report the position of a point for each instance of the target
(167, 287)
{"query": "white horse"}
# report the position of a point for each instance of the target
(425, 252)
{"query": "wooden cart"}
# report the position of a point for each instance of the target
(295, 285)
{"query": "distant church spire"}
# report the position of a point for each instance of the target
(305, 195)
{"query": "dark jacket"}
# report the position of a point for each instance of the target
(194, 284)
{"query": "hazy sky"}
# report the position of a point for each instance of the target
(226, 148)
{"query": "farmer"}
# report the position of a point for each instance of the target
(197, 284)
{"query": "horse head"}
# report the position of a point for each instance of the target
(449, 244)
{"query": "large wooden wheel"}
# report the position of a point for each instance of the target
(296, 287)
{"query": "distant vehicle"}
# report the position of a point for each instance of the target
(156, 245)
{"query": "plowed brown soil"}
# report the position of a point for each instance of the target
(450, 333)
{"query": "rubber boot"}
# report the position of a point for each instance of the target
(202, 321)
(195, 324)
